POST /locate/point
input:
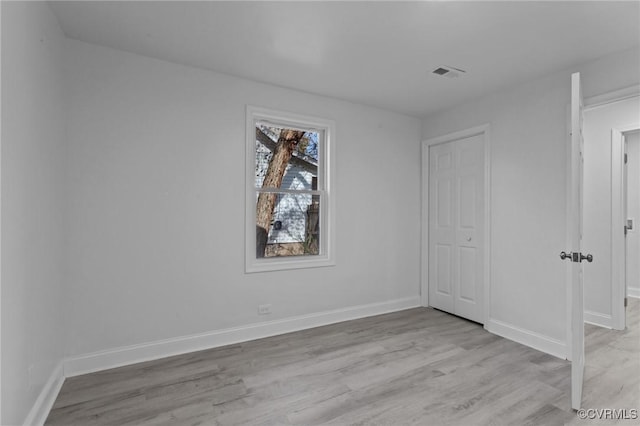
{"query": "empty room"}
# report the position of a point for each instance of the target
(301, 212)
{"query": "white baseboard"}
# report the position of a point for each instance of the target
(529, 338)
(633, 292)
(127, 355)
(598, 319)
(40, 410)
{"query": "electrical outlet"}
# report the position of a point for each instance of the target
(264, 309)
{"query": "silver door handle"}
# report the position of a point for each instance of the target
(576, 257)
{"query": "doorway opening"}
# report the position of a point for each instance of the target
(609, 125)
(631, 193)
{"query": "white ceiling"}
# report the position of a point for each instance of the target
(373, 53)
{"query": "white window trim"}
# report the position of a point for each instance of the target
(326, 257)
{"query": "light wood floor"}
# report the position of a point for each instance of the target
(419, 366)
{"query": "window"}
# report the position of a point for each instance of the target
(289, 203)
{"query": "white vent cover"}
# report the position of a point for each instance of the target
(449, 72)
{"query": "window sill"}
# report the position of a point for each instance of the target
(284, 264)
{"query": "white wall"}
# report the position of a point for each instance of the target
(528, 200)
(598, 122)
(33, 154)
(156, 186)
(633, 212)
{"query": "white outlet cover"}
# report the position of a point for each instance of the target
(264, 309)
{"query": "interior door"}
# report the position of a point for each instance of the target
(442, 217)
(575, 256)
(456, 227)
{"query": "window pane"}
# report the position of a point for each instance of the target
(290, 167)
(286, 158)
(294, 226)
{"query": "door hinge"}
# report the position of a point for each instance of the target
(625, 158)
(625, 230)
(625, 302)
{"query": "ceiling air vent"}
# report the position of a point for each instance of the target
(449, 72)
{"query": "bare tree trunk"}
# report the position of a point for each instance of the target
(287, 142)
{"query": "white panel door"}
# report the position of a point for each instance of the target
(469, 284)
(442, 235)
(456, 227)
(575, 256)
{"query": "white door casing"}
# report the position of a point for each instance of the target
(456, 226)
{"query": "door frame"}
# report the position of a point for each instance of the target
(483, 130)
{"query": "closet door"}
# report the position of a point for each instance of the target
(456, 227)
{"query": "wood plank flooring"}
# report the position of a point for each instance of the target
(612, 368)
(419, 366)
